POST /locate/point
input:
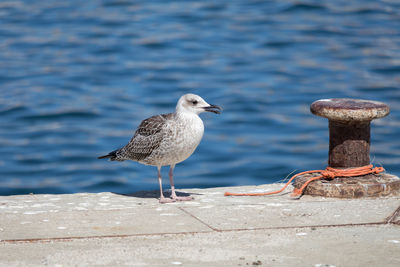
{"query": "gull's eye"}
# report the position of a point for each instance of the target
(194, 102)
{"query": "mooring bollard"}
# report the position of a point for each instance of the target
(349, 128)
(349, 146)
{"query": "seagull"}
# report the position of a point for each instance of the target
(167, 139)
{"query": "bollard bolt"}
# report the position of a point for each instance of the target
(349, 128)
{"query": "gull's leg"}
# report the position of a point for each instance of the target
(171, 181)
(162, 198)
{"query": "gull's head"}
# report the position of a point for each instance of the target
(195, 104)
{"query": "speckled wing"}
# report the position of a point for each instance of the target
(147, 138)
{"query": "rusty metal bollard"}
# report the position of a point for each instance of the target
(349, 146)
(349, 128)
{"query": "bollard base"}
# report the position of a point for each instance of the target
(371, 185)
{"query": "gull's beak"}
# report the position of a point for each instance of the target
(213, 108)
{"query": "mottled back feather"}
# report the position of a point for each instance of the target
(147, 137)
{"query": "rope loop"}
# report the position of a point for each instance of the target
(378, 169)
(328, 173)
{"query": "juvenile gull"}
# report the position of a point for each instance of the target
(167, 139)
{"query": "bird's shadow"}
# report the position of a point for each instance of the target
(156, 194)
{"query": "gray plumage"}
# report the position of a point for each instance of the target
(146, 139)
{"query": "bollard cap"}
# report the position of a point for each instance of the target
(347, 109)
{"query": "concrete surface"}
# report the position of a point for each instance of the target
(108, 229)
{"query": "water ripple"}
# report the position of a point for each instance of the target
(77, 77)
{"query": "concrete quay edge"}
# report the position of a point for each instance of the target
(108, 229)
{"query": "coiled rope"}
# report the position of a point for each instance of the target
(328, 173)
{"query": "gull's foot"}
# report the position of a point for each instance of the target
(164, 200)
(182, 198)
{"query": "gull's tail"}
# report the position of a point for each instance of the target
(112, 155)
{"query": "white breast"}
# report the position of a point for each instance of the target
(182, 136)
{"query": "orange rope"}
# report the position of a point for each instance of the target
(328, 173)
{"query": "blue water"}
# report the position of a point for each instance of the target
(77, 77)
